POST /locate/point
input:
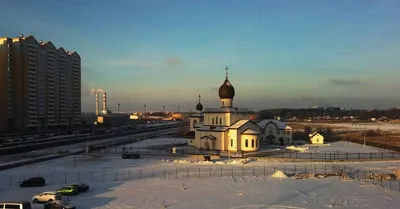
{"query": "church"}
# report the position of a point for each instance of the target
(226, 128)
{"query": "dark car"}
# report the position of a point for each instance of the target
(58, 204)
(81, 187)
(130, 156)
(33, 182)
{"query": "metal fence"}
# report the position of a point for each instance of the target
(57, 177)
(275, 154)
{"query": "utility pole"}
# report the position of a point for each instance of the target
(118, 107)
(163, 108)
(364, 138)
(178, 109)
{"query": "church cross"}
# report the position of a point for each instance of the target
(199, 97)
(226, 72)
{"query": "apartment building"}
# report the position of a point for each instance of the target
(6, 85)
(46, 84)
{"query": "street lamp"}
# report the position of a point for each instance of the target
(87, 144)
(364, 137)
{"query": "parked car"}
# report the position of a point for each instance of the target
(33, 182)
(59, 204)
(46, 197)
(130, 156)
(81, 187)
(16, 205)
(68, 190)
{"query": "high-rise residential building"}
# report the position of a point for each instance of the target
(43, 85)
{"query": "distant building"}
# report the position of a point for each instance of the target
(275, 132)
(316, 138)
(40, 85)
(225, 128)
(197, 118)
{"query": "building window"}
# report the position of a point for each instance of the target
(213, 121)
(246, 143)
(216, 120)
(220, 121)
(317, 140)
(252, 143)
(223, 103)
(231, 142)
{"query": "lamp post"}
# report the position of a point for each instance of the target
(87, 143)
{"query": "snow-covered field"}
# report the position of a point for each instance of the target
(222, 183)
(362, 126)
(345, 147)
(225, 193)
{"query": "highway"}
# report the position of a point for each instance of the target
(31, 145)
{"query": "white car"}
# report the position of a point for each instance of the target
(46, 197)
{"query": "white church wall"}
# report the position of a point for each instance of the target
(233, 140)
(249, 142)
(226, 103)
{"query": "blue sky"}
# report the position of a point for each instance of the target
(283, 53)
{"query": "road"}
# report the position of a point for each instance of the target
(76, 147)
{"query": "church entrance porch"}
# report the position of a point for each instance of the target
(206, 145)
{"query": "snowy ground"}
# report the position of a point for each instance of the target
(234, 184)
(225, 193)
(343, 147)
(362, 126)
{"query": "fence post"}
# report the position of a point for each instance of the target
(285, 168)
(164, 174)
(310, 155)
(370, 155)
(390, 183)
(296, 155)
(325, 155)
(187, 172)
(315, 169)
(295, 169)
(264, 170)
(381, 181)
(347, 156)
(198, 175)
(325, 168)
(232, 171)
(305, 169)
(221, 171)
(176, 173)
(392, 154)
(210, 172)
(358, 155)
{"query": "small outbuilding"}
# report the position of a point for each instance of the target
(316, 138)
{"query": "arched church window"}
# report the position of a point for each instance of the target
(223, 103)
(216, 120)
(252, 143)
(246, 143)
(220, 121)
(213, 121)
(231, 142)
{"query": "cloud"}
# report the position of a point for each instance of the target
(130, 63)
(168, 63)
(343, 82)
(175, 62)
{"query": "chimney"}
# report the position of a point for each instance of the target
(105, 102)
(97, 103)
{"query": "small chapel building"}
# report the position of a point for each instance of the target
(226, 128)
